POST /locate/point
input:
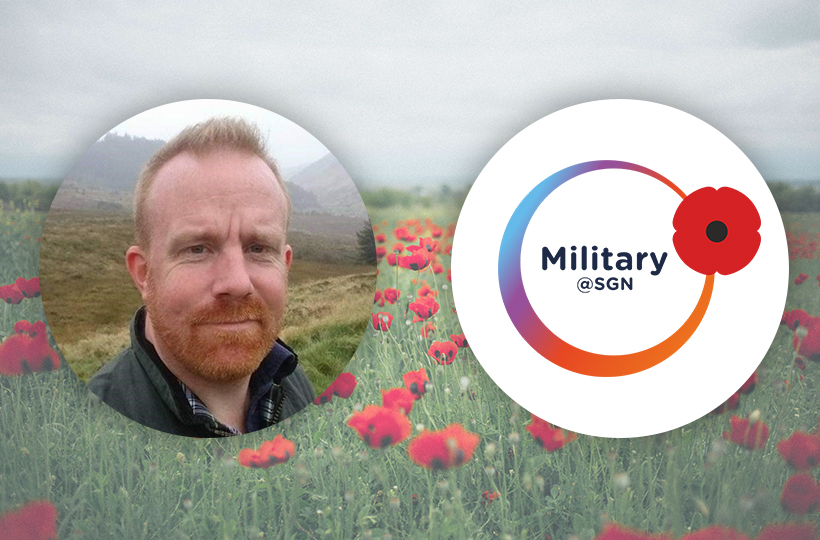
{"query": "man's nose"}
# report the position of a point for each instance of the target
(232, 277)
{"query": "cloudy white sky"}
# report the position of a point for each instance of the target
(420, 93)
(292, 146)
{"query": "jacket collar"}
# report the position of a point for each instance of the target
(280, 362)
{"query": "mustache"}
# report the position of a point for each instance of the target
(252, 309)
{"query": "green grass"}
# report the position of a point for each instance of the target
(111, 478)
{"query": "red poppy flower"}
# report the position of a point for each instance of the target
(787, 531)
(427, 329)
(426, 291)
(424, 308)
(10, 294)
(800, 363)
(380, 427)
(36, 520)
(444, 352)
(459, 340)
(491, 495)
(547, 436)
(20, 354)
(399, 398)
(381, 251)
(415, 381)
(417, 261)
(30, 329)
(428, 244)
(801, 450)
(444, 449)
(382, 321)
(381, 238)
(324, 397)
(377, 298)
(749, 436)
(398, 247)
(391, 295)
(436, 231)
(749, 385)
(797, 317)
(809, 346)
(271, 453)
(449, 276)
(729, 405)
(29, 288)
(716, 230)
(801, 495)
(715, 532)
(342, 387)
(613, 531)
(403, 234)
(801, 278)
(392, 259)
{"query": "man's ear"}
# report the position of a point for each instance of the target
(136, 262)
(288, 255)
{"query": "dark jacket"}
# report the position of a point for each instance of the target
(137, 384)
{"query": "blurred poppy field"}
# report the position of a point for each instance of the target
(413, 440)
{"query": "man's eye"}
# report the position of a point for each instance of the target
(196, 250)
(257, 248)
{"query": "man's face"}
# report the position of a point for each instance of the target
(216, 284)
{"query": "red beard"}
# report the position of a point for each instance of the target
(212, 353)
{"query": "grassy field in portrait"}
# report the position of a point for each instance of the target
(111, 478)
(90, 298)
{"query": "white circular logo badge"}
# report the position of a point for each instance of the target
(620, 268)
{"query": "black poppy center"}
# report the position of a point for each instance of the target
(717, 231)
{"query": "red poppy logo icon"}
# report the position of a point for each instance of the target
(716, 231)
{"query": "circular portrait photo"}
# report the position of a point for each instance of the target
(206, 268)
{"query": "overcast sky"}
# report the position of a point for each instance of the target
(420, 93)
(292, 146)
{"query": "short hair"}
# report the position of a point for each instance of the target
(200, 139)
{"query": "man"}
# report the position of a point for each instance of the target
(211, 262)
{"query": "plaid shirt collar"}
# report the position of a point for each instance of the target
(261, 415)
(267, 395)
